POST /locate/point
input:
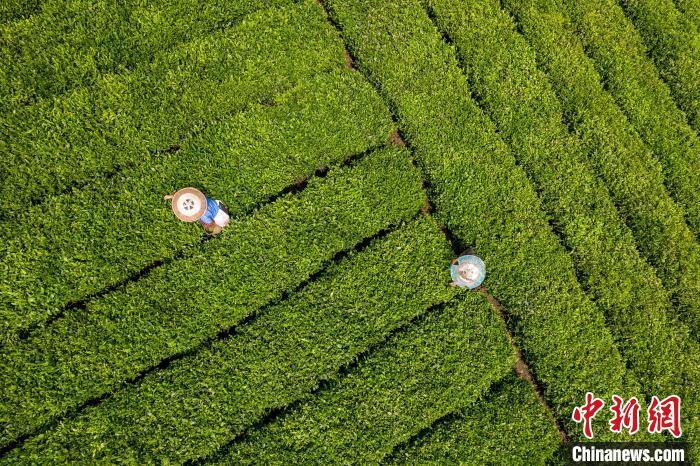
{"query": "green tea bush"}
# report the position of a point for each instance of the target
(674, 46)
(433, 368)
(634, 178)
(71, 44)
(131, 118)
(691, 9)
(174, 308)
(507, 426)
(486, 201)
(206, 400)
(620, 57)
(17, 9)
(75, 245)
(520, 99)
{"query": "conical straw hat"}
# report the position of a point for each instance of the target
(189, 204)
(468, 271)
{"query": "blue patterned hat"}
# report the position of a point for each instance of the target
(468, 272)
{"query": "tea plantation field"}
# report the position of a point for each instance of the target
(360, 146)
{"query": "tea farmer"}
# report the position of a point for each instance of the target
(467, 271)
(190, 205)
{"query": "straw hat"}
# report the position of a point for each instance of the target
(468, 271)
(189, 204)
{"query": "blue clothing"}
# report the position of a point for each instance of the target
(212, 209)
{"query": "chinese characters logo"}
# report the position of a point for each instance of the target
(662, 415)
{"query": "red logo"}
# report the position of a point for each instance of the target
(626, 415)
(665, 415)
(587, 412)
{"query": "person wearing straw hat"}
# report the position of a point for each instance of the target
(467, 271)
(190, 205)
